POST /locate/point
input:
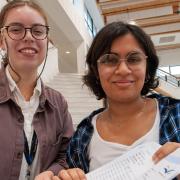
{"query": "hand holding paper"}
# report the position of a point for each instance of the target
(137, 164)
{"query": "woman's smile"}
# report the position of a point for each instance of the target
(28, 51)
(123, 83)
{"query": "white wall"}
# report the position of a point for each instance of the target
(95, 13)
(69, 31)
(81, 56)
(51, 68)
(169, 57)
(77, 18)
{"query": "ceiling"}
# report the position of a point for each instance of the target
(159, 18)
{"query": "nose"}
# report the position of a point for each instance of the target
(122, 68)
(28, 35)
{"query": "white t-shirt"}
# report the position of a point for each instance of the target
(102, 152)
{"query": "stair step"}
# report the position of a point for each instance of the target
(81, 101)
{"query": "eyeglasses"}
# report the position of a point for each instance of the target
(133, 60)
(18, 32)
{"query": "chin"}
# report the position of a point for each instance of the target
(28, 67)
(126, 97)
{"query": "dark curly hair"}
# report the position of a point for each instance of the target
(102, 44)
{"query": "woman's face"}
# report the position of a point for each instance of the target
(122, 73)
(27, 54)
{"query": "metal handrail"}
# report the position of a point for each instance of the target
(168, 77)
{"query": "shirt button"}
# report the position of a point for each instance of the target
(19, 155)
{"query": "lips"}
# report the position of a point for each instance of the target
(123, 83)
(28, 50)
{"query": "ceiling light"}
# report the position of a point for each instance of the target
(132, 22)
(68, 52)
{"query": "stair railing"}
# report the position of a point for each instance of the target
(168, 77)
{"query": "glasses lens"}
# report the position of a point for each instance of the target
(135, 58)
(16, 32)
(39, 31)
(109, 60)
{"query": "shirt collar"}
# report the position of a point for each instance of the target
(13, 86)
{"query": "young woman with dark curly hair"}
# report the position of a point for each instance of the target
(122, 64)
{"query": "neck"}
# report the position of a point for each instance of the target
(126, 111)
(25, 82)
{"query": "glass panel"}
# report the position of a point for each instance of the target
(175, 70)
(94, 30)
(89, 23)
(165, 68)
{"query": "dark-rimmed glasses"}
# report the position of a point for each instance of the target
(112, 60)
(18, 32)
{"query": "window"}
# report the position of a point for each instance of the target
(89, 23)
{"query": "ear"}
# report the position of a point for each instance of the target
(2, 44)
(1, 40)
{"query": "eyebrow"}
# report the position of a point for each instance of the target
(14, 23)
(113, 53)
(20, 24)
(130, 52)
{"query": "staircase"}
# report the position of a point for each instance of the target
(169, 84)
(81, 102)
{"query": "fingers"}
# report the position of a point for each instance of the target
(55, 178)
(72, 174)
(47, 175)
(163, 151)
(64, 175)
(81, 174)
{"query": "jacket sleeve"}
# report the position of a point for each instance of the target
(60, 160)
(77, 155)
(72, 154)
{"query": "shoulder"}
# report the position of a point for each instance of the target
(166, 101)
(169, 109)
(54, 96)
(86, 122)
(85, 128)
(52, 92)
